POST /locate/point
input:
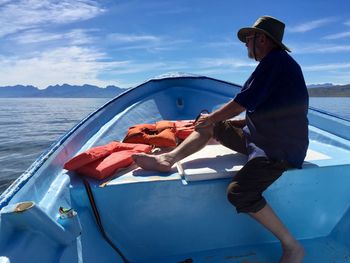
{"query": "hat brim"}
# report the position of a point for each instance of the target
(246, 31)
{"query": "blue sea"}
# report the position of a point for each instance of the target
(30, 125)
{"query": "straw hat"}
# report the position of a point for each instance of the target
(267, 25)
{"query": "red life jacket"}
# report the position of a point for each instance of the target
(161, 134)
(102, 161)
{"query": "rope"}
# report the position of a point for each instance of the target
(99, 222)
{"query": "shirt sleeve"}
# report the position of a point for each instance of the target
(260, 84)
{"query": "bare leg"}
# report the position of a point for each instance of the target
(163, 162)
(293, 252)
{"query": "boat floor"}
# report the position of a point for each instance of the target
(317, 250)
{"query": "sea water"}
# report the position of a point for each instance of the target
(29, 126)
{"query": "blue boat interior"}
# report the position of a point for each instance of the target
(183, 215)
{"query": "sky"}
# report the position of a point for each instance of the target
(126, 42)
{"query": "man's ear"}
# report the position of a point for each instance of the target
(263, 39)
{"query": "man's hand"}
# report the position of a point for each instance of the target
(228, 111)
(204, 121)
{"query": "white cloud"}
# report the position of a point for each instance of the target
(141, 41)
(151, 43)
(225, 63)
(327, 67)
(2, 2)
(342, 77)
(78, 65)
(35, 36)
(21, 15)
(132, 38)
(337, 36)
(320, 48)
(310, 25)
(157, 8)
(73, 37)
(347, 23)
(219, 45)
(74, 65)
(173, 10)
(231, 69)
(132, 67)
(337, 73)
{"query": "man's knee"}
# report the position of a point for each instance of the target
(243, 199)
(235, 195)
(207, 131)
(230, 136)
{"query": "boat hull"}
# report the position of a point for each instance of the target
(181, 215)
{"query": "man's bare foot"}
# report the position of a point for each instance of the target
(293, 253)
(153, 162)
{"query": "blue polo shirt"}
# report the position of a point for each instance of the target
(276, 101)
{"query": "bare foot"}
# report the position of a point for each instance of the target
(293, 254)
(153, 162)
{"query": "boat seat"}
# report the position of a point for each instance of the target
(214, 161)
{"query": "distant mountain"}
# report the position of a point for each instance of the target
(323, 85)
(18, 91)
(90, 91)
(60, 91)
(330, 91)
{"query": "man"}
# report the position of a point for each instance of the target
(274, 133)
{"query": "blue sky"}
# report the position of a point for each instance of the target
(123, 43)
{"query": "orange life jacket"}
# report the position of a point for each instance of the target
(102, 161)
(161, 134)
(184, 128)
(105, 167)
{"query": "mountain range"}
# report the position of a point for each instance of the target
(90, 91)
(322, 85)
(329, 90)
(62, 91)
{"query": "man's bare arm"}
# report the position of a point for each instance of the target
(228, 111)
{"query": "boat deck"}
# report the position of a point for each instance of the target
(198, 183)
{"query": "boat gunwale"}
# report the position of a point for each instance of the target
(331, 114)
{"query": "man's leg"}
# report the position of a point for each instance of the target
(224, 132)
(245, 193)
(163, 162)
(293, 252)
